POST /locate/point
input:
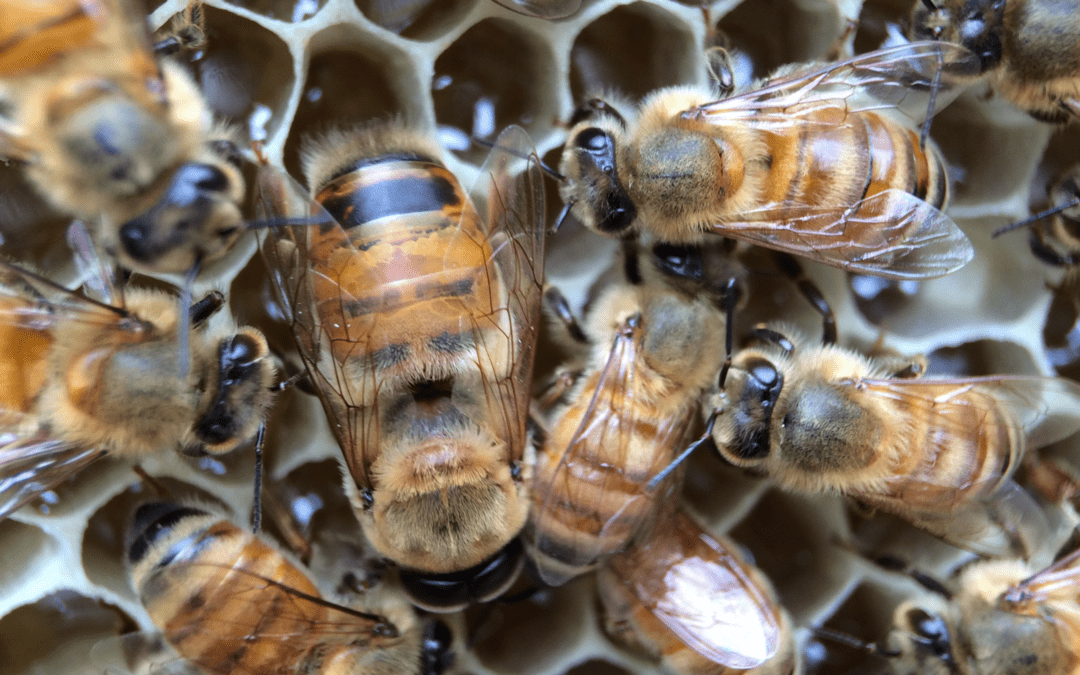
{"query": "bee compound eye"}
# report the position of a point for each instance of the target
(135, 239)
(240, 350)
(593, 140)
(456, 590)
(151, 521)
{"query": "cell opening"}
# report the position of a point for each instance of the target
(283, 10)
(416, 19)
(633, 50)
(493, 76)
(775, 32)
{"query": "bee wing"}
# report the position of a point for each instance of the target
(294, 624)
(98, 277)
(978, 430)
(703, 592)
(1059, 581)
(510, 190)
(570, 518)
(286, 250)
(892, 234)
(907, 78)
(32, 302)
(35, 464)
(545, 9)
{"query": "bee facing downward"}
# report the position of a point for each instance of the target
(809, 163)
(937, 453)
(415, 306)
(112, 135)
(83, 378)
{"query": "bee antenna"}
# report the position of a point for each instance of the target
(520, 155)
(288, 382)
(655, 481)
(729, 329)
(256, 509)
(929, 4)
(563, 215)
(854, 642)
(1035, 218)
(185, 316)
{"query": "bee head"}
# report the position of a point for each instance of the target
(457, 590)
(590, 164)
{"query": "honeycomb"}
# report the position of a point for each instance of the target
(286, 68)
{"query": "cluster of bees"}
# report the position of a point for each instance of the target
(416, 307)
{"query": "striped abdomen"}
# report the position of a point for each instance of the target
(830, 162)
(23, 368)
(416, 275)
(594, 502)
(231, 604)
(35, 33)
(958, 450)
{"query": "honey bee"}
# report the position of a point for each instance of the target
(545, 9)
(809, 163)
(629, 413)
(1055, 232)
(1028, 49)
(937, 453)
(415, 307)
(233, 605)
(83, 378)
(1002, 619)
(112, 135)
(690, 599)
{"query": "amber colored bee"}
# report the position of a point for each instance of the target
(233, 605)
(1003, 619)
(112, 135)
(809, 162)
(938, 453)
(83, 378)
(689, 598)
(415, 306)
(1028, 49)
(652, 353)
(545, 9)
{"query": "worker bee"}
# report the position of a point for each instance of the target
(545, 9)
(232, 604)
(938, 453)
(1002, 619)
(114, 136)
(628, 415)
(690, 599)
(83, 378)
(415, 307)
(809, 163)
(1029, 49)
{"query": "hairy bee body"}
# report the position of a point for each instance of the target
(112, 135)
(415, 309)
(232, 604)
(1029, 49)
(939, 453)
(626, 420)
(1002, 619)
(812, 161)
(85, 378)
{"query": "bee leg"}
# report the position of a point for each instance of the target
(1047, 253)
(1052, 479)
(187, 31)
(561, 382)
(558, 305)
(201, 311)
(854, 642)
(791, 268)
(887, 562)
(773, 337)
(721, 71)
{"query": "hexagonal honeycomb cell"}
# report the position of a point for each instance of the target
(287, 70)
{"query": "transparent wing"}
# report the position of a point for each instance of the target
(892, 234)
(98, 276)
(545, 9)
(906, 78)
(510, 190)
(973, 434)
(301, 282)
(32, 302)
(34, 464)
(704, 593)
(1060, 581)
(597, 460)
